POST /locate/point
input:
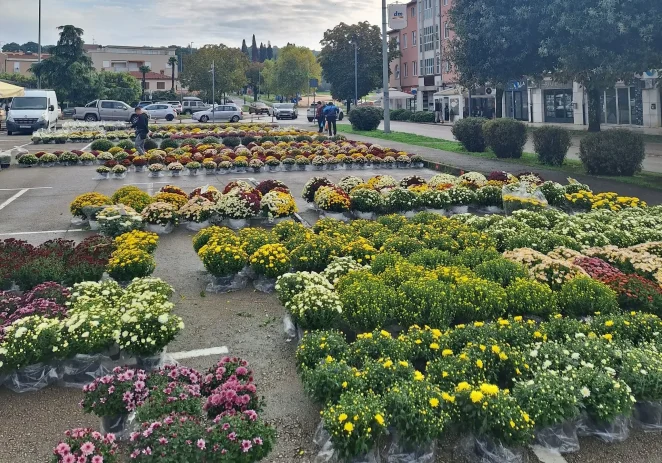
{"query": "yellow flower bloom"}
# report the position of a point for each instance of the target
(342, 417)
(380, 419)
(447, 397)
(418, 376)
(476, 396)
(479, 363)
(463, 386)
(489, 389)
(349, 427)
(434, 402)
(434, 346)
(446, 352)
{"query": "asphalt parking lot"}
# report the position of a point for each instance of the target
(34, 205)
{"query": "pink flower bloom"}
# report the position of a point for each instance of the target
(134, 435)
(135, 453)
(97, 459)
(82, 459)
(232, 436)
(241, 371)
(163, 441)
(87, 448)
(168, 420)
(246, 445)
(110, 437)
(69, 458)
(201, 444)
(147, 451)
(224, 451)
(225, 426)
(96, 435)
(257, 441)
(62, 449)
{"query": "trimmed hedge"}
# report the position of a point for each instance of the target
(401, 115)
(612, 152)
(365, 118)
(506, 137)
(469, 132)
(422, 116)
(551, 144)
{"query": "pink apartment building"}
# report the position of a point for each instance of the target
(404, 70)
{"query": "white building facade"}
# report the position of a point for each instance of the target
(429, 53)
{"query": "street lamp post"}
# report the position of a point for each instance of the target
(213, 85)
(387, 112)
(39, 51)
(356, 74)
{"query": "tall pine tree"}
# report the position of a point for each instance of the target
(263, 53)
(244, 48)
(254, 51)
(270, 51)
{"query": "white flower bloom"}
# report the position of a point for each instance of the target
(585, 392)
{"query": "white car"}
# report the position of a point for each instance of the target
(284, 111)
(161, 111)
(224, 112)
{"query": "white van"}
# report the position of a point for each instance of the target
(38, 109)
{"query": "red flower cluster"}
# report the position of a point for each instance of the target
(597, 268)
(636, 293)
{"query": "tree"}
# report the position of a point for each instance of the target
(255, 56)
(267, 84)
(231, 65)
(18, 79)
(173, 61)
(253, 75)
(270, 51)
(587, 41)
(30, 47)
(337, 59)
(143, 70)
(69, 70)
(263, 53)
(293, 68)
(120, 86)
(11, 47)
(244, 48)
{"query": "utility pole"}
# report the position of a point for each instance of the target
(213, 85)
(39, 51)
(356, 73)
(387, 112)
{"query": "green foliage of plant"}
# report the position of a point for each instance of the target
(551, 144)
(613, 152)
(469, 132)
(500, 270)
(365, 118)
(584, 296)
(506, 137)
(529, 297)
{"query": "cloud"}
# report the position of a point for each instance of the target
(168, 22)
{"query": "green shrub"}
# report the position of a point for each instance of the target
(125, 144)
(477, 300)
(472, 257)
(170, 143)
(506, 137)
(469, 132)
(231, 142)
(315, 346)
(189, 142)
(529, 297)
(584, 296)
(101, 145)
(431, 258)
(401, 115)
(267, 138)
(302, 138)
(612, 152)
(367, 304)
(248, 139)
(502, 271)
(328, 381)
(405, 245)
(150, 144)
(209, 141)
(551, 144)
(422, 116)
(395, 114)
(385, 260)
(365, 118)
(423, 302)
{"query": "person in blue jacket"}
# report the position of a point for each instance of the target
(331, 115)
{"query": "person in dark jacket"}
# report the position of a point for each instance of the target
(331, 114)
(319, 114)
(438, 117)
(142, 129)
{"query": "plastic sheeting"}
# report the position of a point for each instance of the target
(264, 284)
(159, 229)
(292, 332)
(616, 431)
(482, 450)
(33, 377)
(151, 363)
(227, 284)
(521, 190)
(197, 226)
(327, 453)
(398, 453)
(648, 416)
(118, 425)
(83, 369)
(561, 438)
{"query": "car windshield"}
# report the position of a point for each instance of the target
(29, 102)
(284, 105)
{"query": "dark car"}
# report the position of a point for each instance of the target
(258, 108)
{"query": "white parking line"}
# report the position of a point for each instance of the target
(42, 232)
(546, 455)
(199, 353)
(87, 147)
(31, 188)
(13, 198)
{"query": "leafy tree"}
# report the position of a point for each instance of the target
(30, 47)
(28, 81)
(69, 70)
(172, 61)
(255, 56)
(244, 48)
(294, 66)
(11, 47)
(268, 76)
(120, 86)
(164, 95)
(143, 70)
(337, 59)
(270, 51)
(231, 65)
(253, 75)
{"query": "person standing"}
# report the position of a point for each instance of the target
(447, 113)
(142, 130)
(437, 112)
(331, 114)
(319, 114)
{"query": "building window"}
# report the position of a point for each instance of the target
(445, 2)
(146, 85)
(148, 64)
(414, 68)
(427, 13)
(405, 70)
(413, 11)
(447, 66)
(404, 40)
(429, 66)
(160, 85)
(438, 66)
(428, 40)
(421, 69)
(397, 71)
(17, 66)
(413, 38)
(446, 30)
(106, 64)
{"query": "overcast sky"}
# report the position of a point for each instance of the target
(169, 22)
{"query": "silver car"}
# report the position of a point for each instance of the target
(225, 112)
(284, 111)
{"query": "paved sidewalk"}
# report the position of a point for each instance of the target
(652, 163)
(471, 163)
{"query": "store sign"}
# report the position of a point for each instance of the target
(397, 16)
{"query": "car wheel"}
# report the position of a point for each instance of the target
(310, 119)
(90, 118)
(169, 117)
(9, 132)
(204, 118)
(340, 117)
(234, 119)
(133, 119)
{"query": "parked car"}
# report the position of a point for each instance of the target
(285, 111)
(143, 104)
(105, 110)
(258, 108)
(311, 113)
(176, 105)
(161, 111)
(37, 109)
(226, 112)
(191, 105)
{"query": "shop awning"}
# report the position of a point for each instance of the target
(10, 91)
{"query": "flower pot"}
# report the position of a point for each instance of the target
(561, 437)
(94, 225)
(197, 226)
(287, 167)
(103, 175)
(335, 215)
(240, 170)
(264, 284)
(276, 220)
(114, 424)
(616, 431)
(224, 171)
(149, 362)
(82, 369)
(141, 168)
(156, 174)
(460, 209)
(228, 283)
(487, 450)
(159, 229)
(409, 214)
(257, 170)
(87, 163)
(332, 166)
(25, 165)
(361, 166)
(301, 167)
(349, 166)
(210, 171)
(4, 166)
(175, 173)
(238, 224)
(648, 415)
(365, 215)
(273, 168)
(47, 164)
(318, 167)
(119, 176)
(193, 171)
(388, 165)
(32, 377)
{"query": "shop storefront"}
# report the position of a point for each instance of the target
(623, 106)
(516, 98)
(558, 105)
